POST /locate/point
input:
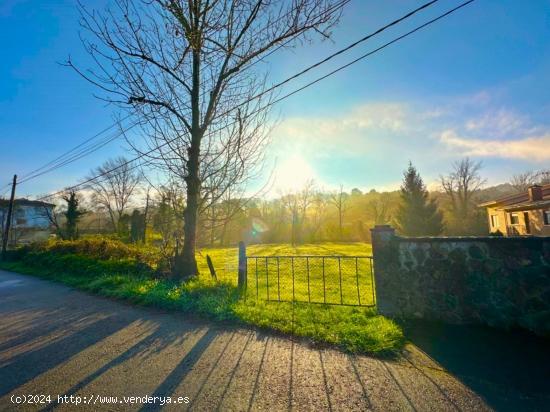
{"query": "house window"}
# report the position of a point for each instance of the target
(546, 214)
(494, 221)
(514, 219)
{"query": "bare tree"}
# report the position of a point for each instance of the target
(542, 177)
(461, 185)
(115, 188)
(52, 215)
(339, 200)
(185, 70)
(319, 214)
(167, 220)
(297, 204)
(379, 209)
(521, 181)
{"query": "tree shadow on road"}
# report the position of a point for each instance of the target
(509, 369)
(27, 365)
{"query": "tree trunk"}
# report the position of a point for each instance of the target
(113, 220)
(222, 236)
(212, 226)
(144, 234)
(340, 224)
(186, 263)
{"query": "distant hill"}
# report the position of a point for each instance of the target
(485, 194)
(496, 192)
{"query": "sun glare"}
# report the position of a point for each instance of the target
(292, 174)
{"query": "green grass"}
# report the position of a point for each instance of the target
(316, 280)
(355, 329)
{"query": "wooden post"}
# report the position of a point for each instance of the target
(211, 267)
(242, 266)
(8, 220)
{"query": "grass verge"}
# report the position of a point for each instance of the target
(358, 330)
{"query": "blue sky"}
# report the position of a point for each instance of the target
(474, 84)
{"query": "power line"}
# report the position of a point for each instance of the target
(328, 58)
(339, 52)
(143, 154)
(61, 160)
(63, 155)
(82, 153)
(285, 96)
(364, 56)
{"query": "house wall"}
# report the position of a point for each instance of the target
(499, 281)
(29, 224)
(536, 222)
(31, 217)
(502, 220)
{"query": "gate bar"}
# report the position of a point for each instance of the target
(278, 281)
(308, 290)
(357, 277)
(267, 277)
(324, 283)
(257, 288)
(340, 274)
(293, 293)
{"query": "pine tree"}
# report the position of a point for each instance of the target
(417, 215)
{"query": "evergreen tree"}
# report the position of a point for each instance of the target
(417, 215)
(137, 226)
(72, 216)
(123, 227)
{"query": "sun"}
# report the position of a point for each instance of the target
(292, 174)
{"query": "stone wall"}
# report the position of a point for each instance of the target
(499, 281)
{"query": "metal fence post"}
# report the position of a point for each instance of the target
(242, 266)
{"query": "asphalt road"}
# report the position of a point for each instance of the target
(58, 341)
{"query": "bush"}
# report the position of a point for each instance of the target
(101, 248)
(90, 257)
(96, 248)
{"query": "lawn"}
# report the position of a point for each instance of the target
(292, 277)
(118, 271)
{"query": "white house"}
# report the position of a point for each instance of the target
(30, 220)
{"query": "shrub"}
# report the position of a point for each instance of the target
(96, 248)
(89, 257)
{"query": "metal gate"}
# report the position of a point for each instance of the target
(331, 280)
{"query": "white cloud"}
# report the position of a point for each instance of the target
(535, 148)
(348, 133)
(463, 126)
(500, 123)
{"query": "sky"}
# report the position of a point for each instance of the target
(476, 84)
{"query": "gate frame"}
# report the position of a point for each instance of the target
(243, 277)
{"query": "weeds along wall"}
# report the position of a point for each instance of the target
(498, 281)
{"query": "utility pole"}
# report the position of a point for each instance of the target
(8, 220)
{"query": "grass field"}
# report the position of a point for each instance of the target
(294, 277)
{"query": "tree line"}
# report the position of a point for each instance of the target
(126, 205)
